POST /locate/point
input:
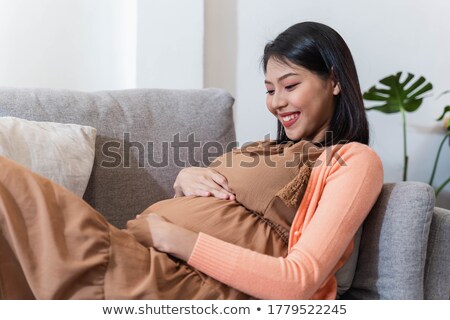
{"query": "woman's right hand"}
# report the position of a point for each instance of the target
(205, 182)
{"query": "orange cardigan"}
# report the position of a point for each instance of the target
(344, 185)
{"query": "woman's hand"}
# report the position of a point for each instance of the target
(151, 230)
(140, 229)
(196, 181)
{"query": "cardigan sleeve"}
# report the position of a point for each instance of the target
(350, 189)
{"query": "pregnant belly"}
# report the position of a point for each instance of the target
(224, 219)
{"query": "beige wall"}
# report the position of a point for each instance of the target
(101, 44)
(170, 44)
(221, 44)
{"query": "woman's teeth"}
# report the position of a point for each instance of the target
(290, 117)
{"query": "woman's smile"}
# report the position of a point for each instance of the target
(289, 118)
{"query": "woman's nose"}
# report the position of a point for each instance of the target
(278, 100)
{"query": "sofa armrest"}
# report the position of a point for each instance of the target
(437, 267)
(393, 246)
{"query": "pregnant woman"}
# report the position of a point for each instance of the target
(272, 220)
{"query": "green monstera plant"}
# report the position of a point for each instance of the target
(397, 95)
(447, 135)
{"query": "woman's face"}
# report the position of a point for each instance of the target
(301, 100)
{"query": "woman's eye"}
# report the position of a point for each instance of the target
(292, 86)
(270, 92)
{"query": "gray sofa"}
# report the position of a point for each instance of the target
(405, 244)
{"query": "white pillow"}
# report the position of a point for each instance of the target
(61, 152)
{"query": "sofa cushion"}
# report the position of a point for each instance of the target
(135, 128)
(394, 244)
(63, 153)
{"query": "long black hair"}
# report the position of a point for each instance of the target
(321, 50)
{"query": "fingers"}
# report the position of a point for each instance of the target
(222, 184)
(205, 186)
(152, 216)
(216, 190)
(140, 231)
(203, 182)
(178, 192)
(222, 194)
(221, 181)
(203, 193)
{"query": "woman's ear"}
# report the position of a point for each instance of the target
(336, 88)
(335, 82)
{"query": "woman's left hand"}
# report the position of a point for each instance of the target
(146, 228)
(152, 230)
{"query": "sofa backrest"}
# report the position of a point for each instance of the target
(135, 128)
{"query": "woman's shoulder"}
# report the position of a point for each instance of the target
(354, 152)
(355, 147)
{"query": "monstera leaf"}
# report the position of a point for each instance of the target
(397, 95)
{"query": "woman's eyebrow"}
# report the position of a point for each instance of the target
(283, 77)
